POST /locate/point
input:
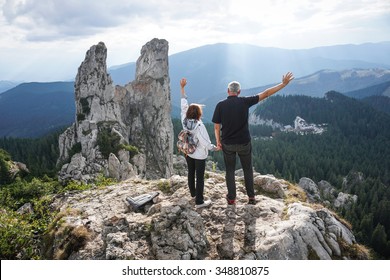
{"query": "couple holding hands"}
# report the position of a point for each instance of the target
(231, 130)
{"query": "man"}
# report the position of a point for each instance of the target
(231, 116)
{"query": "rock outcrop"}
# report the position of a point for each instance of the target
(17, 169)
(120, 131)
(146, 110)
(99, 224)
(325, 193)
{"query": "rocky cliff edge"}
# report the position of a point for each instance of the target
(100, 224)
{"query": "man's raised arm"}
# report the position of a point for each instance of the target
(270, 91)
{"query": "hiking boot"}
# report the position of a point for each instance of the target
(252, 200)
(230, 201)
(204, 204)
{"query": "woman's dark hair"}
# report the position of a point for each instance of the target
(194, 112)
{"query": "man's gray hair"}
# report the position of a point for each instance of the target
(234, 87)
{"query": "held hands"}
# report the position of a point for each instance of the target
(287, 78)
(216, 148)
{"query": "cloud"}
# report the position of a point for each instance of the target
(46, 20)
(52, 19)
(45, 32)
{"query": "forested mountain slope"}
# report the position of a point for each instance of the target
(357, 141)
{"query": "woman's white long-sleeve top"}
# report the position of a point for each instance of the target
(199, 130)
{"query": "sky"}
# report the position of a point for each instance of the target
(46, 40)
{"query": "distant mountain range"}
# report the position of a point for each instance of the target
(210, 68)
(6, 85)
(382, 89)
(33, 109)
(352, 81)
(377, 96)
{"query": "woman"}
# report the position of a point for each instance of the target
(196, 162)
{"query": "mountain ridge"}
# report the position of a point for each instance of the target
(209, 73)
(34, 109)
(6, 85)
(56, 111)
(244, 62)
(317, 84)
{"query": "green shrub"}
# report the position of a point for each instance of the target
(132, 149)
(4, 155)
(80, 117)
(85, 106)
(5, 177)
(164, 186)
(19, 192)
(76, 148)
(21, 234)
(75, 186)
(16, 237)
(108, 142)
(102, 181)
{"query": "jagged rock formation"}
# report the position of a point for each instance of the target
(146, 110)
(120, 131)
(326, 193)
(99, 224)
(98, 117)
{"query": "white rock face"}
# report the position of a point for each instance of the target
(325, 192)
(94, 90)
(147, 110)
(345, 199)
(311, 189)
(136, 115)
(172, 228)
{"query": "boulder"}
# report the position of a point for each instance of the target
(311, 189)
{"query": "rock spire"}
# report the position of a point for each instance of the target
(120, 131)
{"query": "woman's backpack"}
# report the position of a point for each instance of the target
(187, 143)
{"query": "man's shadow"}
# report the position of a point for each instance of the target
(226, 247)
(250, 229)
